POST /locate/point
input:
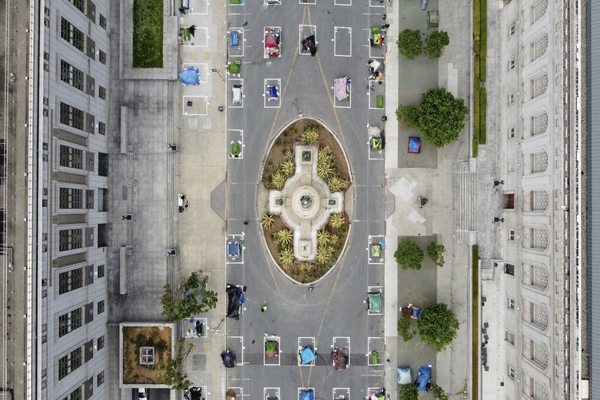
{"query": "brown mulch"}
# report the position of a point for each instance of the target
(133, 371)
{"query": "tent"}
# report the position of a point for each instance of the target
(195, 393)
(404, 375)
(374, 302)
(340, 359)
(271, 348)
(424, 378)
(228, 359)
(341, 88)
(233, 301)
(233, 248)
(414, 145)
(190, 76)
(307, 395)
(307, 355)
(235, 41)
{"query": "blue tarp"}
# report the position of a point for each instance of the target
(190, 76)
(233, 249)
(234, 39)
(307, 355)
(404, 375)
(307, 395)
(273, 92)
(414, 145)
(424, 377)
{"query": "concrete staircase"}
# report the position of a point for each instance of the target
(466, 201)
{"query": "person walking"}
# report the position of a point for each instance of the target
(263, 308)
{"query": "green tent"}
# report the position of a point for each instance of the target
(235, 67)
(271, 348)
(374, 358)
(374, 301)
(235, 149)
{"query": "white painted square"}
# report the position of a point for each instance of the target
(276, 360)
(342, 342)
(230, 94)
(375, 344)
(235, 238)
(303, 32)
(269, 102)
(375, 239)
(341, 35)
(235, 344)
(236, 135)
(200, 39)
(236, 51)
(304, 341)
(195, 105)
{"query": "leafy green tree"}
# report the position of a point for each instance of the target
(438, 393)
(191, 298)
(410, 43)
(409, 255)
(173, 377)
(405, 328)
(441, 117)
(408, 116)
(436, 253)
(438, 326)
(408, 392)
(435, 44)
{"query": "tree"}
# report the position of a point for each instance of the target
(408, 116)
(409, 255)
(441, 117)
(267, 221)
(438, 393)
(173, 377)
(408, 392)
(436, 253)
(336, 220)
(410, 43)
(191, 298)
(405, 325)
(435, 44)
(438, 325)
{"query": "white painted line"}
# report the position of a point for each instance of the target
(348, 31)
(342, 342)
(337, 392)
(376, 3)
(303, 34)
(240, 359)
(272, 102)
(200, 40)
(271, 392)
(375, 239)
(373, 347)
(195, 105)
(234, 237)
(236, 51)
(344, 3)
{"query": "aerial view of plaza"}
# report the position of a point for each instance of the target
(299, 199)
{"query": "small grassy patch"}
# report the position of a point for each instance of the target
(475, 326)
(147, 34)
(475, 148)
(479, 71)
(482, 114)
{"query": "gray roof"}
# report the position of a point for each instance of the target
(593, 193)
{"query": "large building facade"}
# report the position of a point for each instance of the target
(56, 233)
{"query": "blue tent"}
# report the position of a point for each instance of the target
(424, 377)
(190, 76)
(404, 375)
(233, 249)
(234, 39)
(307, 355)
(307, 395)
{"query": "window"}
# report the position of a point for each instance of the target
(511, 64)
(539, 47)
(511, 303)
(70, 157)
(102, 21)
(89, 199)
(69, 363)
(71, 34)
(102, 57)
(539, 124)
(70, 239)
(102, 92)
(102, 128)
(100, 306)
(100, 271)
(512, 29)
(511, 234)
(71, 116)
(539, 9)
(69, 322)
(71, 75)
(70, 198)
(511, 372)
(78, 4)
(539, 86)
(510, 337)
(511, 98)
(540, 238)
(102, 164)
(539, 162)
(70, 280)
(100, 342)
(539, 200)
(75, 395)
(511, 132)
(100, 378)
(509, 269)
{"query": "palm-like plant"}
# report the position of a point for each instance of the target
(337, 183)
(278, 180)
(305, 266)
(267, 221)
(337, 220)
(323, 238)
(323, 255)
(309, 136)
(286, 257)
(334, 240)
(288, 155)
(284, 237)
(288, 168)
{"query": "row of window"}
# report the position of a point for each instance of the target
(80, 5)
(72, 157)
(72, 320)
(77, 394)
(73, 198)
(76, 118)
(533, 238)
(75, 359)
(76, 78)
(538, 10)
(74, 279)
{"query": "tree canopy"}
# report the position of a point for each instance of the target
(409, 255)
(438, 326)
(410, 43)
(436, 253)
(408, 392)
(441, 116)
(191, 298)
(435, 43)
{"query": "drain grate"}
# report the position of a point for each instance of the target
(198, 362)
